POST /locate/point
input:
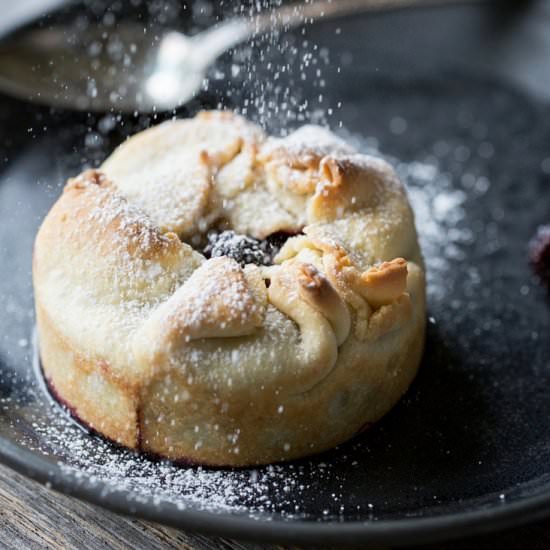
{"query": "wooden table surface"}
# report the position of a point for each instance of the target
(35, 518)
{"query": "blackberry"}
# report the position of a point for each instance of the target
(539, 254)
(241, 248)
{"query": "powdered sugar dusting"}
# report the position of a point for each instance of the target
(216, 298)
(439, 212)
(308, 140)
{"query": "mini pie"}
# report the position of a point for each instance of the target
(216, 361)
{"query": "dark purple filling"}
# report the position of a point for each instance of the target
(244, 249)
(539, 254)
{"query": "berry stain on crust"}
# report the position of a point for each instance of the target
(539, 254)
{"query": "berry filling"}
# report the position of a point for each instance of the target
(539, 254)
(244, 249)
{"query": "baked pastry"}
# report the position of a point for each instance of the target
(219, 361)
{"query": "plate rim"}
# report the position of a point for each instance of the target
(402, 532)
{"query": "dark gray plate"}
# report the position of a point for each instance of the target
(468, 449)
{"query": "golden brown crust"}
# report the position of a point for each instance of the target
(317, 291)
(385, 283)
(205, 361)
